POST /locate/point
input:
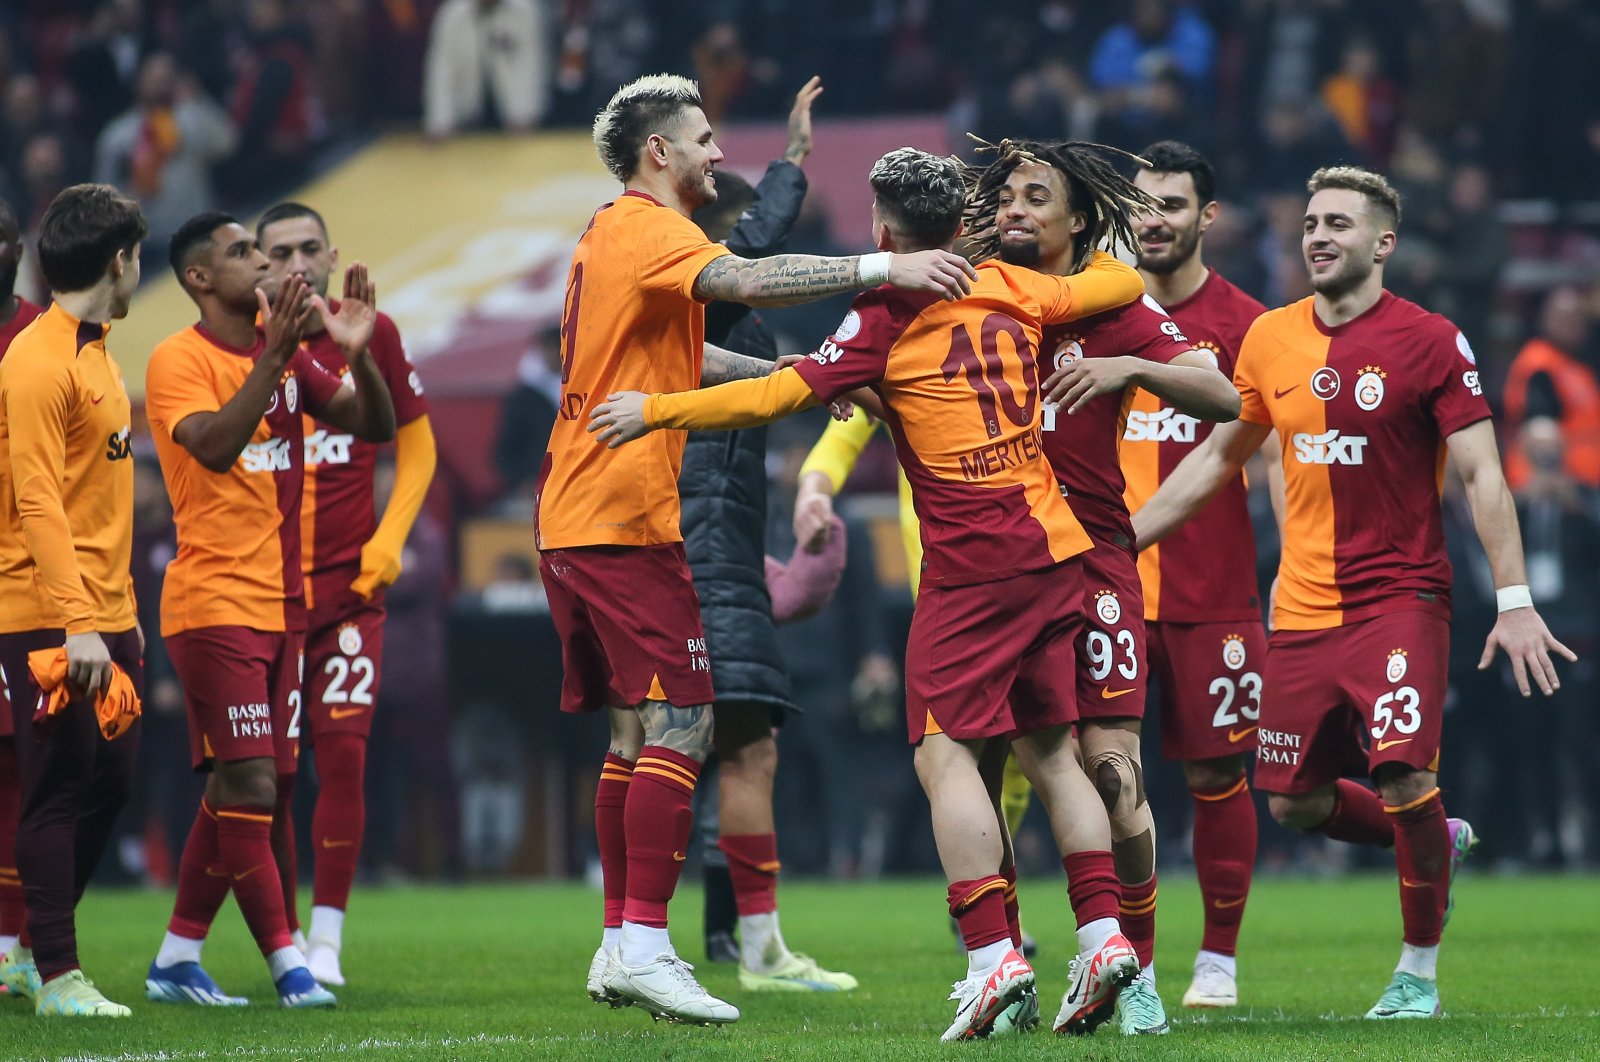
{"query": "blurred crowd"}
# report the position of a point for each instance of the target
(1484, 113)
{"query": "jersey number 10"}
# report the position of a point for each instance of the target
(986, 373)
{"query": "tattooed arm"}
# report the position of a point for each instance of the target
(789, 279)
(719, 366)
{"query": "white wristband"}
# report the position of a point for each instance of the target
(1510, 597)
(875, 268)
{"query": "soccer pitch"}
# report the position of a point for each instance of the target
(497, 973)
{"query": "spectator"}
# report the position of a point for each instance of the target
(1561, 536)
(273, 107)
(527, 413)
(161, 151)
(1553, 376)
(1159, 37)
(1299, 138)
(487, 65)
(102, 65)
(1364, 101)
(1473, 250)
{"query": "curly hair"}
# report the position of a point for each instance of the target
(1093, 185)
(925, 194)
(639, 108)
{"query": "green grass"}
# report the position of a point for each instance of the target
(497, 973)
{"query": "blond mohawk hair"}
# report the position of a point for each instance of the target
(641, 107)
(1374, 186)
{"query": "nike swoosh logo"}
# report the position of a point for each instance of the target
(329, 842)
(344, 713)
(1236, 736)
(679, 856)
(216, 873)
(1111, 695)
(1223, 905)
(96, 400)
(1408, 883)
(1279, 394)
(246, 874)
(1391, 744)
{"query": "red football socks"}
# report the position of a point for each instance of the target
(1092, 886)
(1358, 817)
(979, 907)
(1013, 910)
(610, 797)
(1422, 852)
(202, 879)
(340, 817)
(244, 837)
(1225, 831)
(1137, 914)
(753, 866)
(283, 850)
(656, 821)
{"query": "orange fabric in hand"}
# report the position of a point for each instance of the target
(117, 709)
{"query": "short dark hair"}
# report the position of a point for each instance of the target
(924, 193)
(287, 211)
(193, 235)
(1174, 156)
(639, 108)
(82, 231)
(8, 218)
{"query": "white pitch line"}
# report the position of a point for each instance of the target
(330, 1047)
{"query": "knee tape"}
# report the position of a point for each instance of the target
(1120, 782)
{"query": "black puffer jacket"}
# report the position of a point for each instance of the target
(723, 485)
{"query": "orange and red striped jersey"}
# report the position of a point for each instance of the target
(1204, 572)
(1363, 410)
(1082, 447)
(238, 561)
(66, 481)
(631, 323)
(339, 514)
(960, 388)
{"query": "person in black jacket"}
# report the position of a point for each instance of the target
(723, 487)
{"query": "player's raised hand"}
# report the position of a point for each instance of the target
(285, 320)
(619, 419)
(800, 122)
(1528, 643)
(940, 272)
(1087, 379)
(351, 327)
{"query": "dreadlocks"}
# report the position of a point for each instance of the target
(1093, 186)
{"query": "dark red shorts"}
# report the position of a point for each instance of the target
(629, 623)
(1345, 700)
(1112, 672)
(344, 661)
(994, 658)
(1211, 678)
(241, 688)
(16, 678)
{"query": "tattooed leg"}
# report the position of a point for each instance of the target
(627, 733)
(683, 730)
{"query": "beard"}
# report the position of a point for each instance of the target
(1353, 272)
(695, 190)
(1021, 254)
(1179, 251)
